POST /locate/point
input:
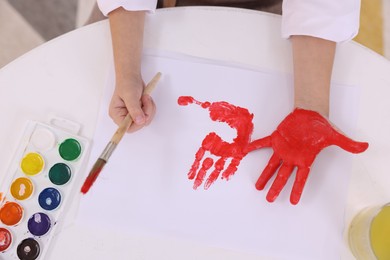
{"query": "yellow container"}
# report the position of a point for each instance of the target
(369, 233)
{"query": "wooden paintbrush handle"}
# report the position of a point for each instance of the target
(127, 121)
(152, 84)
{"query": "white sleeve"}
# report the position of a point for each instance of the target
(336, 21)
(106, 6)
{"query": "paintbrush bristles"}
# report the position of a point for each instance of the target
(93, 174)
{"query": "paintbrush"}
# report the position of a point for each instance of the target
(116, 138)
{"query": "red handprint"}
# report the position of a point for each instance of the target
(296, 142)
(237, 118)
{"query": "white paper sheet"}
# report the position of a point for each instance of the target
(144, 188)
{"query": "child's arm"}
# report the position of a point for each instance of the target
(313, 62)
(127, 29)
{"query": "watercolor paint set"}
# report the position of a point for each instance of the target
(39, 183)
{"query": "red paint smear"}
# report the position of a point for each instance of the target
(186, 100)
(237, 118)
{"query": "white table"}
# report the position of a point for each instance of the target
(74, 67)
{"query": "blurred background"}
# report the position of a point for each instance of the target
(25, 24)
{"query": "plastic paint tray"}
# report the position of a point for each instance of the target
(40, 181)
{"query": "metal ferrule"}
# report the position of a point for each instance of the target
(108, 151)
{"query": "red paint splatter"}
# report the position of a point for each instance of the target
(237, 118)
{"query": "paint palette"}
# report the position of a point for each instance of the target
(41, 179)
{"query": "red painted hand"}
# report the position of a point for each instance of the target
(296, 142)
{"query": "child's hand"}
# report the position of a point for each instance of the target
(128, 98)
(296, 142)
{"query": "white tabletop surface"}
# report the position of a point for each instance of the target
(74, 67)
